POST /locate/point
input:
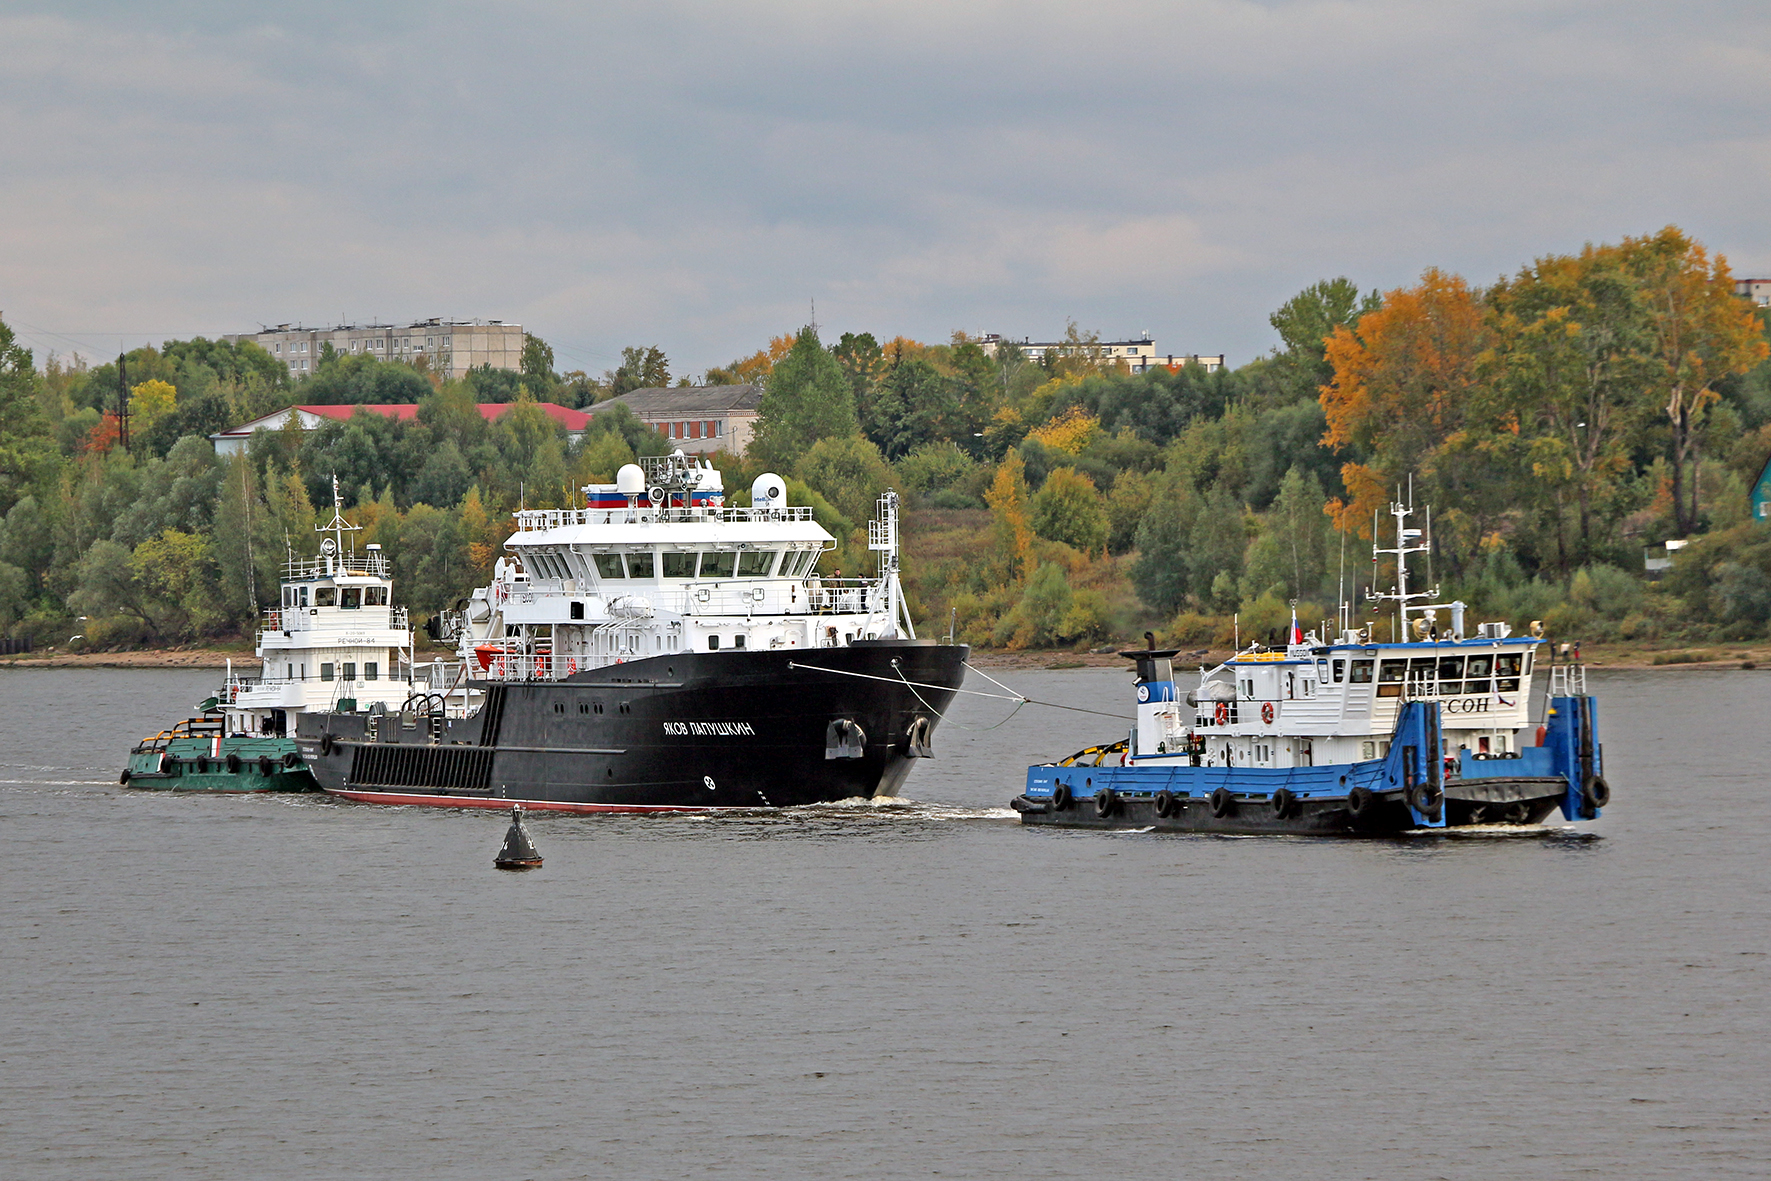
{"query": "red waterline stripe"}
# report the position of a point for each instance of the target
(388, 797)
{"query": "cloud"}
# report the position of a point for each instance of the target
(693, 175)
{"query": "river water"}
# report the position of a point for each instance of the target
(271, 987)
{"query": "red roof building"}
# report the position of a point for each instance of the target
(311, 418)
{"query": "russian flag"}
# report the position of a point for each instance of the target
(1297, 633)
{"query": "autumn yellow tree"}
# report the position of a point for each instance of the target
(149, 402)
(1013, 525)
(1403, 378)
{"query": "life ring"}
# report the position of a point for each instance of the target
(1060, 797)
(264, 764)
(1284, 803)
(1221, 715)
(291, 760)
(124, 778)
(233, 763)
(326, 743)
(1165, 803)
(1222, 802)
(571, 665)
(1267, 712)
(1598, 792)
(1104, 802)
(1360, 801)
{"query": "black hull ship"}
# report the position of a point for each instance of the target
(681, 732)
(654, 651)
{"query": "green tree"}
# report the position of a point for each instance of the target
(641, 368)
(914, 404)
(807, 399)
(1067, 508)
(850, 472)
(25, 448)
(863, 363)
(538, 372)
(1161, 573)
(1306, 321)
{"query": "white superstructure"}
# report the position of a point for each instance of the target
(336, 640)
(656, 563)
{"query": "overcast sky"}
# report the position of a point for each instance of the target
(694, 175)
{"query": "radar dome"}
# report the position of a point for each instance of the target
(630, 480)
(768, 491)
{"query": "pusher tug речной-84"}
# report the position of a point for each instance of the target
(1346, 736)
(655, 650)
(334, 642)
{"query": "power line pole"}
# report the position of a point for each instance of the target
(123, 400)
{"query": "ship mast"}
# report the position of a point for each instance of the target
(1408, 541)
(338, 527)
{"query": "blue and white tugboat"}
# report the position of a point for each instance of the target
(657, 651)
(335, 642)
(1344, 736)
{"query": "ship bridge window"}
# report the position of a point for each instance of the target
(1480, 666)
(351, 598)
(375, 596)
(1451, 674)
(1359, 673)
(639, 565)
(1340, 671)
(718, 565)
(679, 565)
(756, 563)
(325, 596)
(1506, 672)
(609, 566)
(796, 564)
(1390, 675)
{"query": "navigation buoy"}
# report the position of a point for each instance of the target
(519, 851)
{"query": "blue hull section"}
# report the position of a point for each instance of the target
(1407, 789)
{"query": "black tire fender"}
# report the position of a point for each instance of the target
(326, 743)
(202, 764)
(1060, 797)
(1284, 803)
(264, 764)
(291, 760)
(165, 763)
(233, 763)
(1360, 801)
(1598, 792)
(1105, 802)
(1222, 802)
(124, 778)
(1165, 803)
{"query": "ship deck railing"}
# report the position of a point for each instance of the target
(305, 569)
(727, 597)
(535, 519)
(189, 728)
(301, 619)
(1568, 680)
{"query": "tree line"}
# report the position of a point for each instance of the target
(1560, 421)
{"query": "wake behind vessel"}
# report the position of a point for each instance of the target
(656, 650)
(1343, 736)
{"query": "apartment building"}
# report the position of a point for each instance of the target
(449, 347)
(1138, 355)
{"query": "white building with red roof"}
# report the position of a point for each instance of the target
(312, 418)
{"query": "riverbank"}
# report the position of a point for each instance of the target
(1594, 655)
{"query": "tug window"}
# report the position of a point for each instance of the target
(370, 670)
(1506, 671)
(717, 565)
(738, 640)
(639, 565)
(756, 563)
(1451, 672)
(351, 598)
(609, 566)
(713, 643)
(349, 673)
(1390, 674)
(325, 596)
(1340, 671)
(325, 672)
(1360, 673)
(679, 565)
